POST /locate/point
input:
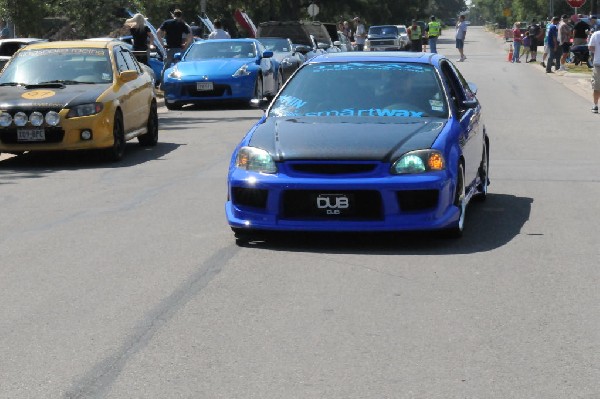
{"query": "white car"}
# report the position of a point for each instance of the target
(384, 38)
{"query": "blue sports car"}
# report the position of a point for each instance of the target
(380, 141)
(217, 70)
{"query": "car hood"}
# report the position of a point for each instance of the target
(343, 138)
(226, 66)
(50, 97)
(382, 36)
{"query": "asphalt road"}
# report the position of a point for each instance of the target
(124, 281)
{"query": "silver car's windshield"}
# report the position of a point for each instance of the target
(65, 65)
(363, 89)
(383, 30)
(225, 49)
(279, 45)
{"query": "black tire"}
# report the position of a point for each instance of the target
(173, 106)
(460, 198)
(258, 88)
(116, 152)
(242, 236)
(150, 139)
(484, 175)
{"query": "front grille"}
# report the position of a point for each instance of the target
(249, 197)
(219, 90)
(333, 168)
(52, 135)
(417, 200)
(382, 42)
(332, 205)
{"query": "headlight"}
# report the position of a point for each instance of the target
(5, 119)
(20, 119)
(418, 162)
(85, 110)
(256, 160)
(175, 73)
(243, 71)
(36, 118)
(52, 118)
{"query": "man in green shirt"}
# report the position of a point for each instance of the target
(434, 28)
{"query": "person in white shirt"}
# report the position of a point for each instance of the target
(461, 33)
(592, 45)
(218, 33)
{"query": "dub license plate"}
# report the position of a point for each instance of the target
(31, 134)
(204, 86)
(334, 204)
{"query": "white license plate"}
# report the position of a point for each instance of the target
(31, 134)
(204, 86)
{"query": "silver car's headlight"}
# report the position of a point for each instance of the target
(419, 161)
(242, 71)
(85, 110)
(256, 160)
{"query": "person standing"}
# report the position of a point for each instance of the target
(553, 48)
(461, 34)
(580, 32)
(594, 44)
(434, 28)
(415, 35)
(534, 34)
(360, 34)
(564, 41)
(517, 40)
(218, 33)
(4, 31)
(141, 35)
(347, 31)
(173, 30)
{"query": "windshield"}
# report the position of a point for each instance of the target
(402, 29)
(225, 49)
(383, 30)
(280, 45)
(68, 65)
(361, 89)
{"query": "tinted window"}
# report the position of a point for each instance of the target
(363, 89)
(226, 49)
(383, 30)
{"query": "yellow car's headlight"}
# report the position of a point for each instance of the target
(85, 110)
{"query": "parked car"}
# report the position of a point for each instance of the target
(367, 142)
(403, 32)
(283, 51)
(76, 95)
(338, 38)
(10, 46)
(308, 33)
(384, 38)
(222, 70)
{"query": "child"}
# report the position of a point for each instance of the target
(526, 44)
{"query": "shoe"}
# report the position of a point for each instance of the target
(543, 64)
(464, 58)
(533, 60)
(459, 60)
(549, 71)
(563, 68)
(595, 108)
(518, 62)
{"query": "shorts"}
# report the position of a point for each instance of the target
(596, 78)
(460, 43)
(534, 44)
(565, 48)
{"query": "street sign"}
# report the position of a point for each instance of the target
(313, 10)
(576, 3)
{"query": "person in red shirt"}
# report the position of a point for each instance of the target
(517, 41)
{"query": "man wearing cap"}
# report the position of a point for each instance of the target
(581, 30)
(434, 28)
(173, 30)
(564, 40)
(360, 34)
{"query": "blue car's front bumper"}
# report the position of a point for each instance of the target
(377, 203)
(186, 90)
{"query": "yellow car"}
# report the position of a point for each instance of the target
(76, 95)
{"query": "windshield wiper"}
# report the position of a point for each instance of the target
(12, 84)
(57, 83)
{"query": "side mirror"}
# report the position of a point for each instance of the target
(323, 46)
(470, 103)
(128, 76)
(472, 87)
(177, 57)
(302, 49)
(337, 43)
(267, 54)
(153, 54)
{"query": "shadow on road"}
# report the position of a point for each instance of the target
(489, 225)
(39, 164)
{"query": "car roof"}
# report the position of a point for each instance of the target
(22, 40)
(396, 56)
(96, 43)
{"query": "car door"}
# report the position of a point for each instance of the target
(468, 115)
(133, 94)
(267, 67)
